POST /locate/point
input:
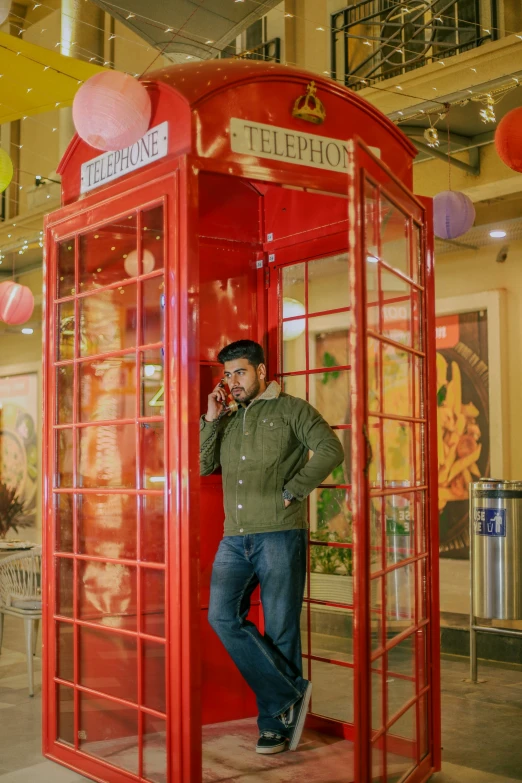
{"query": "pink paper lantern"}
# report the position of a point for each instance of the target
(111, 110)
(16, 303)
(453, 214)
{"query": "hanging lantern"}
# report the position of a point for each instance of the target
(292, 308)
(508, 139)
(453, 214)
(5, 9)
(16, 303)
(6, 170)
(111, 110)
(131, 263)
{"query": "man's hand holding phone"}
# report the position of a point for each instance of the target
(217, 399)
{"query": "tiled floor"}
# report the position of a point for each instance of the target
(482, 725)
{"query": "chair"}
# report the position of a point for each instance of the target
(21, 596)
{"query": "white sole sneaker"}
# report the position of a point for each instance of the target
(300, 719)
(279, 748)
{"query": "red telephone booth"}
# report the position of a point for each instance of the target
(270, 204)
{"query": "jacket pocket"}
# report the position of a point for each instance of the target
(271, 429)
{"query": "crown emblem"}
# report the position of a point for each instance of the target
(308, 107)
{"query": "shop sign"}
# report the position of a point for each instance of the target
(305, 149)
(112, 165)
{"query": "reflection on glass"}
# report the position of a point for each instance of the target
(64, 458)
(371, 220)
(107, 526)
(333, 691)
(295, 385)
(108, 321)
(153, 310)
(331, 516)
(400, 677)
(398, 451)
(107, 253)
(418, 266)
(64, 651)
(152, 383)
(154, 749)
(154, 688)
(331, 574)
(376, 611)
(294, 346)
(400, 599)
(417, 321)
(374, 376)
(152, 240)
(394, 237)
(153, 602)
(420, 454)
(65, 259)
(107, 594)
(325, 644)
(378, 762)
(328, 337)
(377, 689)
(108, 663)
(398, 764)
(63, 522)
(65, 714)
(400, 527)
(328, 283)
(396, 319)
(108, 388)
(152, 447)
(64, 394)
(107, 456)
(420, 516)
(109, 732)
(374, 437)
(65, 328)
(376, 515)
(330, 395)
(293, 282)
(64, 586)
(152, 522)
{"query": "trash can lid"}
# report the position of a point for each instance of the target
(496, 484)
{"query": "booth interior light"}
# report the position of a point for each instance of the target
(497, 234)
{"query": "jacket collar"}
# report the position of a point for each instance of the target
(272, 392)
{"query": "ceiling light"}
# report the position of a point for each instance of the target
(497, 234)
(372, 259)
(27, 330)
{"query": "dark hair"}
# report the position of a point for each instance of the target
(242, 349)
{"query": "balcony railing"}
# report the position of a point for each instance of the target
(374, 40)
(270, 51)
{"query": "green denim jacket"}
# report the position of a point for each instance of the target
(262, 450)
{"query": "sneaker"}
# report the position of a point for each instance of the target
(295, 716)
(270, 742)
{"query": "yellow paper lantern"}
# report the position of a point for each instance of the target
(6, 170)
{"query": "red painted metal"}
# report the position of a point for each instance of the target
(223, 281)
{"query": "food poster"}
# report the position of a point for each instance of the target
(462, 422)
(18, 439)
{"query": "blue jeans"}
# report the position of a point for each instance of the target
(270, 663)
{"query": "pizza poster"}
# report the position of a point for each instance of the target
(462, 422)
(18, 439)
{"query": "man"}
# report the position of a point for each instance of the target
(263, 450)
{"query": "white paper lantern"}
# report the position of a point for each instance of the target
(131, 263)
(292, 308)
(5, 8)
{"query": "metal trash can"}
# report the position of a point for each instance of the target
(496, 548)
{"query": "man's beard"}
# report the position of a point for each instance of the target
(252, 391)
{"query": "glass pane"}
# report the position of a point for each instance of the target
(65, 651)
(152, 455)
(107, 456)
(64, 458)
(154, 682)
(417, 322)
(423, 726)
(109, 731)
(108, 321)
(394, 242)
(109, 663)
(294, 346)
(397, 391)
(153, 311)
(333, 691)
(63, 522)
(400, 600)
(328, 578)
(422, 656)
(371, 219)
(65, 714)
(152, 383)
(418, 270)
(65, 261)
(153, 602)
(372, 293)
(295, 385)
(293, 282)
(107, 253)
(396, 310)
(154, 749)
(376, 612)
(400, 677)
(152, 240)
(332, 632)
(422, 591)
(378, 762)
(328, 283)
(400, 532)
(375, 442)
(330, 394)
(377, 694)
(64, 586)
(331, 517)
(108, 388)
(376, 517)
(398, 452)
(374, 377)
(107, 594)
(107, 526)
(418, 388)
(421, 459)
(401, 755)
(65, 328)
(153, 528)
(328, 337)
(64, 394)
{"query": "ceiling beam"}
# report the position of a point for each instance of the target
(473, 167)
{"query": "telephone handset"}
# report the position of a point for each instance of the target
(231, 406)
